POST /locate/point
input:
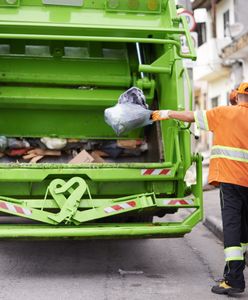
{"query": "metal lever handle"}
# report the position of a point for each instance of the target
(185, 72)
(192, 52)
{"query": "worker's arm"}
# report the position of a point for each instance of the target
(185, 116)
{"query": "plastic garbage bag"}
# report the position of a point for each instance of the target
(126, 117)
(16, 143)
(131, 112)
(3, 143)
(54, 143)
(133, 95)
(111, 148)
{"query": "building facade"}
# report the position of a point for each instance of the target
(222, 61)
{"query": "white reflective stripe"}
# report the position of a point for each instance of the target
(229, 153)
(125, 205)
(201, 119)
(27, 211)
(196, 120)
(234, 253)
(10, 207)
(230, 148)
(156, 172)
(109, 210)
(244, 247)
(205, 119)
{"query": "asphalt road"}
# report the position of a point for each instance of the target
(112, 270)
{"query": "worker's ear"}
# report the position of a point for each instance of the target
(233, 97)
(234, 101)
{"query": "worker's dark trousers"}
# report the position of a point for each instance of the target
(234, 209)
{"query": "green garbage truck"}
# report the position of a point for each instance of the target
(62, 63)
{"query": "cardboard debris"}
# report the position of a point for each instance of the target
(73, 140)
(97, 157)
(128, 144)
(41, 152)
(82, 157)
(35, 159)
(101, 153)
(85, 157)
(92, 151)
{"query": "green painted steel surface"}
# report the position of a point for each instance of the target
(60, 67)
(69, 213)
(94, 231)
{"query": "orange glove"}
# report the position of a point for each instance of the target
(159, 115)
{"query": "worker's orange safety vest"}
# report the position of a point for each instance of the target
(229, 155)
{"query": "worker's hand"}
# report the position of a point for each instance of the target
(159, 115)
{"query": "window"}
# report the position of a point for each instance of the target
(226, 20)
(202, 33)
(215, 102)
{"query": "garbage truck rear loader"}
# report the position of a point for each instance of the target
(62, 63)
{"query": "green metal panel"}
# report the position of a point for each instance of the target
(97, 209)
(57, 98)
(68, 196)
(66, 71)
(60, 67)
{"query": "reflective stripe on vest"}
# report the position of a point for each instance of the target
(201, 119)
(233, 253)
(229, 153)
(244, 247)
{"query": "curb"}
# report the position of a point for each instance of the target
(208, 187)
(215, 226)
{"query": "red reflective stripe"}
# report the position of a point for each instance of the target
(183, 202)
(173, 202)
(164, 172)
(18, 209)
(116, 207)
(122, 206)
(3, 205)
(155, 172)
(148, 172)
(131, 203)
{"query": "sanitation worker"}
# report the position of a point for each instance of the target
(229, 170)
